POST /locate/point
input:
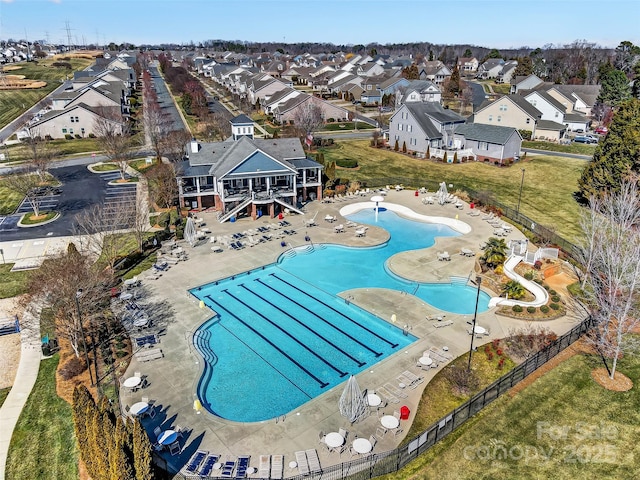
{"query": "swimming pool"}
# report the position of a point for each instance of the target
(282, 336)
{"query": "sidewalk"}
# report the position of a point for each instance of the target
(25, 379)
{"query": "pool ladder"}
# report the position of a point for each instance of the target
(281, 418)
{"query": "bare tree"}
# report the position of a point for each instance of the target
(59, 283)
(157, 126)
(27, 183)
(613, 275)
(102, 230)
(174, 144)
(114, 136)
(308, 117)
(163, 186)
(140, 220)
(40, 153)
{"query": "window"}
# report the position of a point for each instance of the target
(399, 127)
(491, 118)
(409, 128)
(77, 119)
(72, 119)
(499, 117)
(64, 130)
(483, 146)
(557, 114)
(528, 120)
(71, 131)
(82, 131)
(397, 137)
(503, 108)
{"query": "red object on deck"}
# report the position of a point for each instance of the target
(472, 205)
(280, 216)
(404, 412)
(416, 194)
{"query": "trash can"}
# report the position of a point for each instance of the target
(232, 219)
(417, 193)
(46, 350)
(404, 412)
(472, 205)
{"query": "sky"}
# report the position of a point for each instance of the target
(494, 24)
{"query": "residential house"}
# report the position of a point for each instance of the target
(371, 69)
(288, 111)
(78, 119)
(509, 111)
(491, 68)
(507, 72)
(418, 91)
(262, 86)
(435, 71)
(245, 176)
(390, 86)
(554, 111)
(581, 98)
(528, 82)
(489, 143)
(371, 97)
(418, 125)
(468, 65)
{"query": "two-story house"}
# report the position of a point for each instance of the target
(420, 125)
(418, 91)
(509, 111)
(245, 176)
(489, 143)
(434, 71)
(491, 68)
(468, 65)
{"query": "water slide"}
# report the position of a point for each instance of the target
(537, 290)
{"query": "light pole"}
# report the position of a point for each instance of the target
(473, 327)
(520, 194)
(84, 339)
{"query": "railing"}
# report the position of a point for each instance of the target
(392, 461)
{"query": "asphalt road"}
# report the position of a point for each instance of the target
(558, 154)
(478, 95)
(165, 100)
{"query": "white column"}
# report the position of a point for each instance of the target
(198, 184)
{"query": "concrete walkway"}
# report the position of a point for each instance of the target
(26, 376)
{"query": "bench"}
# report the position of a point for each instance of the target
(147, 355)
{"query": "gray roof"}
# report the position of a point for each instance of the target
(424, 121)
(486, 133)
(305, 163)
(575, 118)
(223, 157)
(241, 119)
(587, 93)
(550, 125)
(554, 103)
(292, 102)
(55, 113)
(435, 111)
(521, 102)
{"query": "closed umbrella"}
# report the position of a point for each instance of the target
(353, 405)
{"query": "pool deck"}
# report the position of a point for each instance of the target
(176, 315)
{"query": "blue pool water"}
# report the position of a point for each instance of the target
(283, 337)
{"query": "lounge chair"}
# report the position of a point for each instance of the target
(195, 461)
(361, 232)
(227, 469)
(314, 461)
(243, 464)
(264, 466)
(303, 464)
(444, 256)
(276, 466)
(174, 448)
(207, 466)
(387, 395)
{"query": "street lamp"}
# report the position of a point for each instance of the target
(520, 195)
(84, 340)
(473, 327)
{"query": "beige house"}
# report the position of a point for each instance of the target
(509, 111)
(74, 120)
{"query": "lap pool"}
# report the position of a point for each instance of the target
(282, 336)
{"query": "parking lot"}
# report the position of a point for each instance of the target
(79, 191)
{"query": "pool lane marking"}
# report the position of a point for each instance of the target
(306, 347)
(320, 382)
(355, 360)
(393, 345)
(377, 354)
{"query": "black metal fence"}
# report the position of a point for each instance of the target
(389, 462)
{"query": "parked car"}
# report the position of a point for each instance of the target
(602, 130)
(585, 139)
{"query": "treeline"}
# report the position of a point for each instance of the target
(110, 448)
(191, 91)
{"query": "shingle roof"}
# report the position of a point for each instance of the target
(552, 101)
(241, 119)
(435, 111)
(550, 125)
(524, 105)
(486, 133)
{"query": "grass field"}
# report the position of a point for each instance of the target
(9, 199)
(12, 283)
(61, 148)
(43, 442)
(547, 194)
(563, 426)
(580, 148)
(3, 394)
(14, 102)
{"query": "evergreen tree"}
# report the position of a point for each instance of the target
(455, 157)
(396, 147)
(453, 85)
(120, 467)
(428, 155)
(83, 408)
(468, 53)
(142, 454)
(404, 147)
(617, 156)
(431, 55)
(524, 67)
(614, 87)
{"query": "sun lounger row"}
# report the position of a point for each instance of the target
(443, 324)
(146, 355)
(308, 461)
(410, 379)
(147, 340)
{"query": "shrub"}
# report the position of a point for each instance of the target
(529, 275)
(554, 306)
(487, 348)
(544, 309)
(490, 356)
(516, 308)
(78, 136)
(499, 352)
(531, 309)
(347, 163)
(121, 353)
(91, 135)
(331, 120)
(499, 270)
(495, 343)
(72, 368)
(555, 298)
(501, 364)
(462, 381)
(68, 136)
(537, 265)
(552, 292)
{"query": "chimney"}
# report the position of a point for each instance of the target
(194, 146)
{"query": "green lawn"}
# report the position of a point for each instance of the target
(14, 102)
(12, 283)
(337, 127)
(104, 167)
(563, 426)
(580, 148)
(547, 194)
(61, 147)
(9, 199)
(3, 394)
(43, 443)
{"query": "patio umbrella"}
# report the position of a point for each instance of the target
(190, 231)
(353, 405)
